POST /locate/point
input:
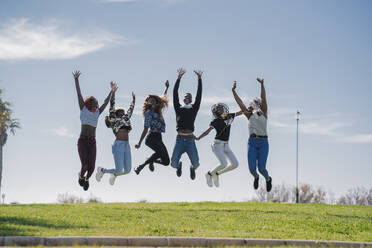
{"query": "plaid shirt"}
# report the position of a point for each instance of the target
(114, 122)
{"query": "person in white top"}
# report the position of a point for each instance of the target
(89, 113)
(258, 145)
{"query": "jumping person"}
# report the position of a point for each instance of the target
(119, 121)
(185, 117)
(154, 122)
(89, 113)
(221, 123)
(258, 145)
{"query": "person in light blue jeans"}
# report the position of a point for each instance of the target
(122, 158)
(258, 145)
(119, 122)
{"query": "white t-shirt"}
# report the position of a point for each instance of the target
(89, 118)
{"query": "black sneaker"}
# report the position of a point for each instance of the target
(179, 171)
(151, 167)
(81, 181)
(138, 169)
(86, 184)
(255, 184)
(192, 173)
(269, 185)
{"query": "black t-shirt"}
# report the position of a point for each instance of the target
(222, 127)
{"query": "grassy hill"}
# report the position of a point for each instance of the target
(204, 219)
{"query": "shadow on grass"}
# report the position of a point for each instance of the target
(367, 218)
(210, 210)
(18, 226)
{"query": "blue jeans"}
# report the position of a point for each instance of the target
(182, 146)
(258, 151)
(122, 157)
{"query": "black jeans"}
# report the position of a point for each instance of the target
(155, 142)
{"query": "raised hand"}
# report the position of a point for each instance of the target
(76, 74)
(133, 96)
(234, 86)
(260, 80)
(181, 71)
(114, 86)
(199, 73)
(167, 84)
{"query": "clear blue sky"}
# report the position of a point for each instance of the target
(315, 56)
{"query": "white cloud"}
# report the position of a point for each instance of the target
(361, 138)
(61, 132)
(326, 125)
(22, 40)
(321, 128)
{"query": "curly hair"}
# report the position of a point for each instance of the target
(161, 103)
(88, 102)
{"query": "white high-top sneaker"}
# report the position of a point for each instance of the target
(99, 174)
(216, 180)
(208, 176)
(112, 179)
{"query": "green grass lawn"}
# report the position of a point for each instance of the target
(204, 219)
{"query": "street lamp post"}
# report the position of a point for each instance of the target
(297, 119)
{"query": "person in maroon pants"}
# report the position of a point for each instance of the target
(89, 113)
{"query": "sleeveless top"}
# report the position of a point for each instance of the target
(257, 124)
(89, 118)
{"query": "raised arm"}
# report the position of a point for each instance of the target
(76, 75)
(176, 100)
(240, 102)
(112, 102)
(131, 107)
(166, 87)
(114, 87)
(263, 96)
(199, 92)
(206, 132)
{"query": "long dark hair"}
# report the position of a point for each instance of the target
(161, 102)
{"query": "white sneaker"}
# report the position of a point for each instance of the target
(216, 180)
(99, 174)
(208, 176)
(112, 179)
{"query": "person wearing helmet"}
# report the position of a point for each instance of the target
(221, 123)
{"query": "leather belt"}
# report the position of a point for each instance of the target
(258, 136)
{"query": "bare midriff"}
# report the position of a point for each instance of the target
(87, 130)
(186, 131)
(122, 134)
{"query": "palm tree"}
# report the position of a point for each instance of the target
(7, 123)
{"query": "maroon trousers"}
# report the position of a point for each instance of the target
(87, 153)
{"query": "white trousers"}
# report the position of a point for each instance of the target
(223, 153)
